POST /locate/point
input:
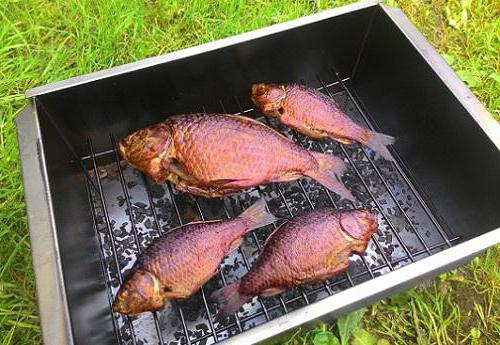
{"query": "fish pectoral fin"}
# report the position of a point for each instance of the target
(235, 244)
(197, 190)
(176, 295)
(232, 183)
(312, 132)
(342, 140)
(184, 182)
(178, 168)
(272, 292)
(338, 262)
(287, 176)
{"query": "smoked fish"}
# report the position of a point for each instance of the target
(177, 264)
(316, 115)
(310, 248)
(212, 155)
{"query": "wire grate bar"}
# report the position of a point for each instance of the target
(243, 255)
(247, 266)
(219, 271)
(377, 171)
(282, 302)
(160, 233)
(388, 221)
(202, 291)
(422, 202)
(304, 295)
(110, 231)
(133, 225)
(103, 266)
(375, 241)
(313, 207)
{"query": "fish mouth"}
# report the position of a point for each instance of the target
(142, 292)
(122, 149)
(258, 93)
(268, 97)
(119, 306)
(259, 89)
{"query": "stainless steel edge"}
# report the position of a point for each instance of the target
(184, 53)
(50, 290)
(370, 291)
(490, 126)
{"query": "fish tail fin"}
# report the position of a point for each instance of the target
(378, 142)
(229, 299)
(330, 168)
(257, 215)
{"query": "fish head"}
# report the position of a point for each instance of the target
(359, 224)
(269, 98)
(147, 148)
(141, 292)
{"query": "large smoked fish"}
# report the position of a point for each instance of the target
(216, 154)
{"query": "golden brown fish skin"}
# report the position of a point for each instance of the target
(314, 114)
(311, 247)
(307, 111)
(177, 264)
(216, 154)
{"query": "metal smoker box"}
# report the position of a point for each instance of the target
(90, 214)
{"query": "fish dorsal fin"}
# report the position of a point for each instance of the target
(255, 122)
(274, 233)
(194, 223)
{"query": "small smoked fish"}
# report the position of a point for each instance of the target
(216, 154)
(178, 263)
(309, 248)
(316, 115)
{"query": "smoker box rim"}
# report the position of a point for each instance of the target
(55, 320)
(459, 89)
(51, 297)
(201, 48)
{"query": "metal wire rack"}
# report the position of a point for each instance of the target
(129, 211)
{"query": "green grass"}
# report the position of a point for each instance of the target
(44, 41)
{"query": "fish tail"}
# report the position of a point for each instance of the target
(229, 299)
(257, 215)
(378, 142)
(328, 173)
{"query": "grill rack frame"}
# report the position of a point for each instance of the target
(447, 238)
